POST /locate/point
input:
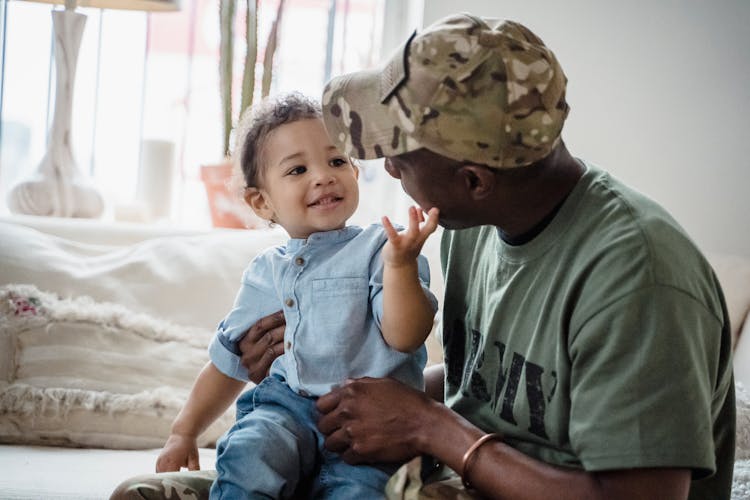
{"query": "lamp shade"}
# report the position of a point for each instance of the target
(143, 5)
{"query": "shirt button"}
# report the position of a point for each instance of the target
(289, 302)
(288, 345)
(303, 393)
(299, 261)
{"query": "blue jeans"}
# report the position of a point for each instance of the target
(275, 450)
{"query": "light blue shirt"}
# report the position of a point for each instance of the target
(330, 287)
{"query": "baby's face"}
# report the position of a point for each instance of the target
(308, 184)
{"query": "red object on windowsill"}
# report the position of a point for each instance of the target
(227, 207)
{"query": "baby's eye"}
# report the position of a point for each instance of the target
(297, 170)
(338, 162)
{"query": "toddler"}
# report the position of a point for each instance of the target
(356, 304)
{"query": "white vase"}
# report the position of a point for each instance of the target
(57, 187)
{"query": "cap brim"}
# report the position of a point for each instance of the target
(357, 116)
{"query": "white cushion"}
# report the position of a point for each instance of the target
(189, 280)
(77, 369)
(82, 373)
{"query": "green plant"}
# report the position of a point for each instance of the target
(227, 16)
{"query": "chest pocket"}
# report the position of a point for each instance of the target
(338, 316)
(337, 319)
(339, 310)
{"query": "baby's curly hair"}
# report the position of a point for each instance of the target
(262, 119)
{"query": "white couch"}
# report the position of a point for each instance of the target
(114, 322)
(103, 328)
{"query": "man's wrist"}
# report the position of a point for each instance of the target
(446, 435)
(434, 418)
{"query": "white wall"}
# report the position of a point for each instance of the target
(660, 96)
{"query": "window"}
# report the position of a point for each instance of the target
(145, 77)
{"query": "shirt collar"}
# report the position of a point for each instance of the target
(324, 238)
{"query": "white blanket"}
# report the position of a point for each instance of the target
(741, 481)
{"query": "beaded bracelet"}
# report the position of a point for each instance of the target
(467, 461)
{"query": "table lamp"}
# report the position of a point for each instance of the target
(58, 187)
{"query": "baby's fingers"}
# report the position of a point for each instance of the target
(390, 231)
(414, 220)
(194, 462)
(432, 222)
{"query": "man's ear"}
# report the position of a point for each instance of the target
(258, 201)
(479, 180)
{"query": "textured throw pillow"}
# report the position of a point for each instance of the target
(77, 372)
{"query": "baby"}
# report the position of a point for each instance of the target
(356, 304)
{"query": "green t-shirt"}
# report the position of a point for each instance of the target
(603, 343)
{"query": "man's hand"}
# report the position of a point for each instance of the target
(374, 420)
(179, 451)
(263, 343)
(404, 247)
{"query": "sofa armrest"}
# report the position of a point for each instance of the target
(733, 272)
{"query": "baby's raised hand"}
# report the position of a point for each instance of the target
(404, 247)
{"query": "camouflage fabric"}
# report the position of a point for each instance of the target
(185, 485)
(441, 484)
(472, 89)
(405, 484)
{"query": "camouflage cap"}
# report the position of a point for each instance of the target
(473, 89)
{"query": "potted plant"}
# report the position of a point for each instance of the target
(227, 208)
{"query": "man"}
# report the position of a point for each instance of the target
(586, 339)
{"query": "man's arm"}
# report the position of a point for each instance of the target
(434, 382)
(383, 420)
(407, 312)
